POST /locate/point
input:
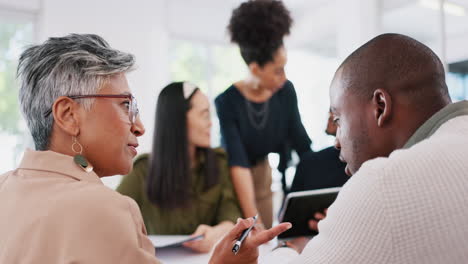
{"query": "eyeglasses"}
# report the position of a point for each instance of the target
(132, 108)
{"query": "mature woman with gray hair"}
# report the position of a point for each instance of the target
(84, 121)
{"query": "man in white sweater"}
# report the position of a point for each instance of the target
(406, 146)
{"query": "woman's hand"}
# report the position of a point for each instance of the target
(248, 253)
(211, 235)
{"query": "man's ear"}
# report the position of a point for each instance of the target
(66, 115)
(383, 111)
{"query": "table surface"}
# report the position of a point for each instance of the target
(186, 256)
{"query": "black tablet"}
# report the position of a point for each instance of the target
(299, 207)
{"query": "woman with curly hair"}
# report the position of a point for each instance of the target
(259, 114)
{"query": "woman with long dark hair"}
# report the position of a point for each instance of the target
(259, 115)
(183, 186)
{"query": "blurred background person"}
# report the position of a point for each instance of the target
(259, 114)
(183, 186)
(321, 169)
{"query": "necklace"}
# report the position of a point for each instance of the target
(261, 114)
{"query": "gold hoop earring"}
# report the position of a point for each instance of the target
(79, 159)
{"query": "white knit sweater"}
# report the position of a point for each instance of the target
(409, 208)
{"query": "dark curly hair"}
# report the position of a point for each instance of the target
(258, 27)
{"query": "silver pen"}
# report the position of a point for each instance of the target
(245, 233)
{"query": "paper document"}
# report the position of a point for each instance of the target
(160, 241)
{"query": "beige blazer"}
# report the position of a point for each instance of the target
(51, 211)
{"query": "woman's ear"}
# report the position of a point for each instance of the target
(382, 103)
(66, 115)
(254, 68)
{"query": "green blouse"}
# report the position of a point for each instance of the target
(217, 204)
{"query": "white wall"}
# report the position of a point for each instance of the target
(23, 11)
(358, 22)
(457, 48)
(199, 20)
(20, 5)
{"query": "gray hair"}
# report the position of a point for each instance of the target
(77, 64)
